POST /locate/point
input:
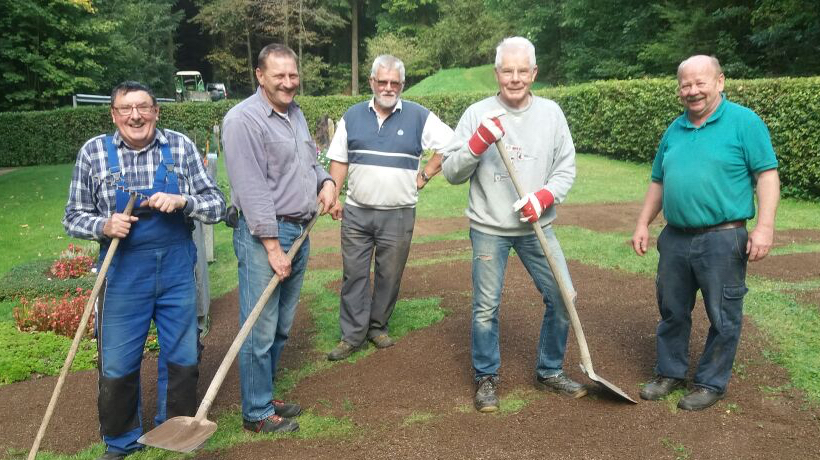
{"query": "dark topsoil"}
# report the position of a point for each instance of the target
(429, 372)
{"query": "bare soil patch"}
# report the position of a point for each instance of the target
(428, 372)
(788, 267)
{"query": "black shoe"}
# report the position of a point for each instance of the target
(112, 456)
(343, 350)
(561, 384)
(485, 398)
(382, 341)
(286, 410)
(700, 398)
(272, 424)
(659, 387)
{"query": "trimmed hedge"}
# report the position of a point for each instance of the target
(620, 119)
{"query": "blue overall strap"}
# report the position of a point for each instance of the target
(168, 162)
(113, 159)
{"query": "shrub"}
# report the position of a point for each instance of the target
(59, 315)
(33, 279)
(38, 354)
(620, 119)
(73, 263)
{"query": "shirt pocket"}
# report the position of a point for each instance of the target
(309, 152)
(281, 157)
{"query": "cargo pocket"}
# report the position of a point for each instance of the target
(731, 309)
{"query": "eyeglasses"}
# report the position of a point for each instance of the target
(524, 73)
(125, 110)
(388, 83)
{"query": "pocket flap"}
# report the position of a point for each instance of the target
(734, 292)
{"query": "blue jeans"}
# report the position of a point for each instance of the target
(142, 285)
(715, 263)
(490, 255)
(260, 352)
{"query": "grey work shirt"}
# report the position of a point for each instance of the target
(272, 164)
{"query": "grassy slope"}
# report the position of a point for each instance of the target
(458, 80)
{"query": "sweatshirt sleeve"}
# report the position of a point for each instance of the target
(562, 175)
(458, 163)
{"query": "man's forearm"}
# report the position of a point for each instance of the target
(433, 165)
(768, 198)
(338, 172)
(652, 204)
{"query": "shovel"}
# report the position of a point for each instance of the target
(72, 352)
(185, 434)
(566, 294)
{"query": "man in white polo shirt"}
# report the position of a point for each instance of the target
(378, 146)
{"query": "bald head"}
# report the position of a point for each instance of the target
(700, 61)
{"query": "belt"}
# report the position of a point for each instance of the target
(714, 228)
(292, 220)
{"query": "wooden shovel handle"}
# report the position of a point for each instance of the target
(563, 285)
(213, 388)
(72, 352)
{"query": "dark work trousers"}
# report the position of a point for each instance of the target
(387, 233)
(714, 263)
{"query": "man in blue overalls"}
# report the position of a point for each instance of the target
(151, 276)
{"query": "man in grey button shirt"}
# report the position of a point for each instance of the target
(276, 182)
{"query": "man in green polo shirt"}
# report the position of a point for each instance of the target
(710, 163)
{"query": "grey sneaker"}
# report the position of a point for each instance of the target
(659, 387)
(382, 341)
(343, 350)
(272, 424)
(485, 398)
(561, 384)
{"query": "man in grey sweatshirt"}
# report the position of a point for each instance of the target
(539, 143)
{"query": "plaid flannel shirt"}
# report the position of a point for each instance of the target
(92, 194)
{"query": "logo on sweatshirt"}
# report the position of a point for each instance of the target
(400, 132)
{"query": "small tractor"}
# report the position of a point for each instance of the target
(190, 87)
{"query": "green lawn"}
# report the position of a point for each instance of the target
(459, 80)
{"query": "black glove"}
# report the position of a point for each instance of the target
(232, 217)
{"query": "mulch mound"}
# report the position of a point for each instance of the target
(429, 372)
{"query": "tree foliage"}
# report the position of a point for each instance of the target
(49, 49)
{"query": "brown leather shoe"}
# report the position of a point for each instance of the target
(343, 350)
(287, 410)
(700, 398)
(382, 341)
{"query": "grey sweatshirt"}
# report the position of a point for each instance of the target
(540, 146)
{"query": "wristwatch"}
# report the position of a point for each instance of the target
(424, 176)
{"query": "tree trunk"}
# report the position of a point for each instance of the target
(286, 21)
(301, 32)
(354, 47)
(250, 56)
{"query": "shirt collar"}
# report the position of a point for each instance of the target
(712, 118)
(269, 110)
(159, 138)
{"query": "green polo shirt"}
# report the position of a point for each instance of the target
(707, 172)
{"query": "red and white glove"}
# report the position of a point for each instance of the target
(488, 132)
(533, 205)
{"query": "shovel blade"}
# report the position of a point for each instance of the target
(609, 387)
(179, 434)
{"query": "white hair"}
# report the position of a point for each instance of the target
(519, 43)
(712, 60)
(388, 62)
